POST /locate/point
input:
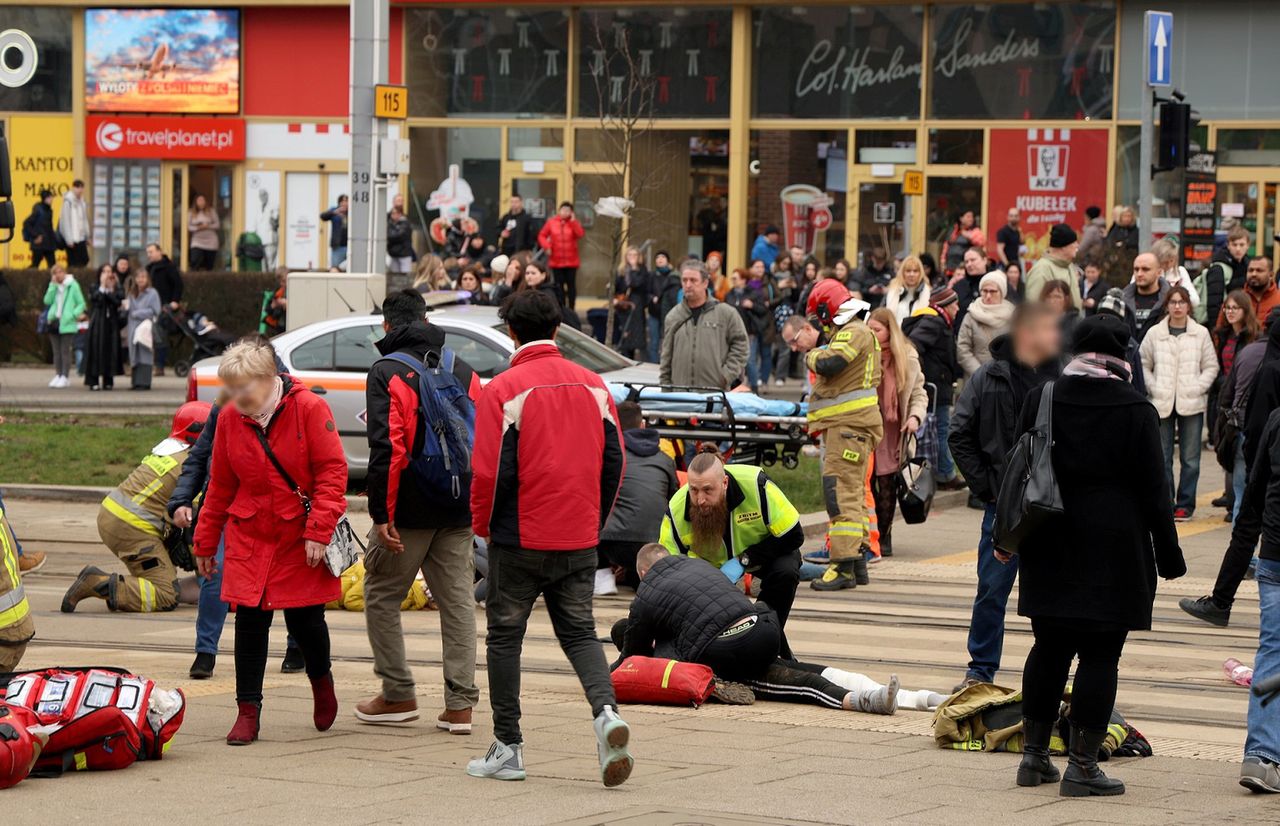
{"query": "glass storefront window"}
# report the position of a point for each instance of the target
(646, 62)
(477, 154)
(946, 199)
(1023, 60)
(801, 188)
(535, 144)
(955, 146)
(885, 146)
(1248, 147)
(681, 192)
(486, 61)
(128, 206)
(597, 248)
(599, 146)
(837, 61)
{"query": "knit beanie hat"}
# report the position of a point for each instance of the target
(1113, 303)
(999, 279)
(1101, 333)
(943, 296)
(1061, 235)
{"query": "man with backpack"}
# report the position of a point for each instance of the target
(38, 231)
(421, 419)
(1228, 272)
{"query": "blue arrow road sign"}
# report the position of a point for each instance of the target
(1159, 48)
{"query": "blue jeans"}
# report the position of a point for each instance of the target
(16, 543)
(986, 627)
(655, 339)
(759, 360)
(946, 469)
(1237, 477)
(211, 611)
(1263, 736)
(337, 256)
(1190, 431)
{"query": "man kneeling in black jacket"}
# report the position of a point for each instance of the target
(687, 610)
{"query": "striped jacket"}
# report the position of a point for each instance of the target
(16, 625)
(847, 372)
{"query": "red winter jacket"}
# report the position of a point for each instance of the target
(266, 563)
(560, 238)
(548, 458)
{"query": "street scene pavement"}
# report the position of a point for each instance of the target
(763, 764)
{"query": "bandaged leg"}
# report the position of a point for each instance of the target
(859, 683)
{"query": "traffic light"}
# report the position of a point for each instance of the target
(1176, 122)
(6, 192)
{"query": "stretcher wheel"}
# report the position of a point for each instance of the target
(796, 433)
(769, 458)
(791, 461)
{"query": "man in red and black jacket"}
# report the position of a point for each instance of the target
(547, 466)
(412, 533)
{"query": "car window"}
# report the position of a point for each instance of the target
(585, 351)
(355, 348)
(316, 354)
(484, 358)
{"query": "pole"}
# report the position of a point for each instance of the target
(366, 224)
(1145, 190)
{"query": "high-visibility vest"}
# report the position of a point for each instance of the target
(13, 599)
(141, 501)
(764, 510)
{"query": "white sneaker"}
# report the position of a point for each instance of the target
(53, 382)
(63, 382)
(501, 762)
(606, 583)
(612, 736)
(780, 383)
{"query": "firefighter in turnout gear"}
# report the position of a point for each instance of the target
(16, 626)
(844, 407)
(133, 522)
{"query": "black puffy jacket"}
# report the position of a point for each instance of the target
(936, 345)
(686, 601)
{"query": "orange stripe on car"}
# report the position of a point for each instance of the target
(326, 383)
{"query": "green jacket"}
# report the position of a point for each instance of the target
(73, 305)
(1047, 269)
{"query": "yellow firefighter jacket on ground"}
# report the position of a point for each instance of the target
(988, 717)
(16, 625)
(418, 598)
(757, 509)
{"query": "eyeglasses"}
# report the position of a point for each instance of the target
(1230, 309)
(791, 342)
(1177, 302)
(990, 291)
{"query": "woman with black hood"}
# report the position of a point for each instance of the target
(1089, 576)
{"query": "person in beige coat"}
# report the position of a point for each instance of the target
(1179, 364)
(987, 318)
(903, 407)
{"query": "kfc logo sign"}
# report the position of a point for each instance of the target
(187, 139)
(1047, 163)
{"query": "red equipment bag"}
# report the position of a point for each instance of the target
(662, 682)
(19, 746)
(101, 740)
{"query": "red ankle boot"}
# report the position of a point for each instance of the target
(245, 731)
(326, 702)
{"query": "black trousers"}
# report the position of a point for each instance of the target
(198, 259)
(1057, 643)
(796, 682)
(37, 256)
(78, 254)
(778, 580)
(567, 278)
(253, 631)
(886, 498)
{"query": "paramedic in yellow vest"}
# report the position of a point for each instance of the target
(16, 626)
(844, 408)
(133, 522)
(738, 520)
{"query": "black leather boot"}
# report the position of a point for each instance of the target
(1036, 768)
(886, 504)
(1083, 778)
(860, 566)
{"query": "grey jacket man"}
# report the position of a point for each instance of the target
(709, 351)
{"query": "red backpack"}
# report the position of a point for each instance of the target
(662, 682)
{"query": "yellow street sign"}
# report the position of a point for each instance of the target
(390, 102)
(913, 182)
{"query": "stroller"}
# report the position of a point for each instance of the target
(206, 338)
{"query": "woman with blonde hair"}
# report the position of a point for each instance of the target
(431, 275)
(909, 289)
(903, 406)
(277, 487)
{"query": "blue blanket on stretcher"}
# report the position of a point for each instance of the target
(742, 404)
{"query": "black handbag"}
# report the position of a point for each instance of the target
(1029, 495)
(915, 486)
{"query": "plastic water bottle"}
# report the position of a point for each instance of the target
(1237, 672)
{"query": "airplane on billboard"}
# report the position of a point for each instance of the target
(159, 64)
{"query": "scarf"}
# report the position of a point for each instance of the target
(991, 315)
(1099, 366)
(263, 417)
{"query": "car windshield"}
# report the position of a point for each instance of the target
(584, 351)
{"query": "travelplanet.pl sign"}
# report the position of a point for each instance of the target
(167, 138)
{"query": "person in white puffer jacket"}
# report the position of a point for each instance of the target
(1179, 365)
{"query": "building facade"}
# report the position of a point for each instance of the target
(848, 126)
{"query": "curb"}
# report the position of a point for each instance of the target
(815, 524)
(93, 495)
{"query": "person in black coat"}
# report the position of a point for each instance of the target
(929, 330)
(631, 290)
(536, 277)
(168, 284)
(1089, 576)
(648, 483)
(517, 231)
(38, 231)
(102, 358)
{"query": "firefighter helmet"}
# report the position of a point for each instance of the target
(189, 421)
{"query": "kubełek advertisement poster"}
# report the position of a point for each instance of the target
(162, 60)
(1051, 175)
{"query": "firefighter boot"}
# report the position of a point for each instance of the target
(92, 582)
(860, 566)
(838, 576)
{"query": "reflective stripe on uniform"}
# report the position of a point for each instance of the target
(147, 595)
(13, 604)
(849, 402)
(847, 529)
(128, 511)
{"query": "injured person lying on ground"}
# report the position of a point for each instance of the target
(687, 610)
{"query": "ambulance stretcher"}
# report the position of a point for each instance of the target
(748, 428)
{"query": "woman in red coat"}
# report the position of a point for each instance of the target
(275, 541)
(559, 237)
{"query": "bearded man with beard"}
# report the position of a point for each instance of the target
(738, 520)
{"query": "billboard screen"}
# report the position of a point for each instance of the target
(162, 60)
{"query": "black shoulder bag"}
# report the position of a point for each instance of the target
(1029, 495)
